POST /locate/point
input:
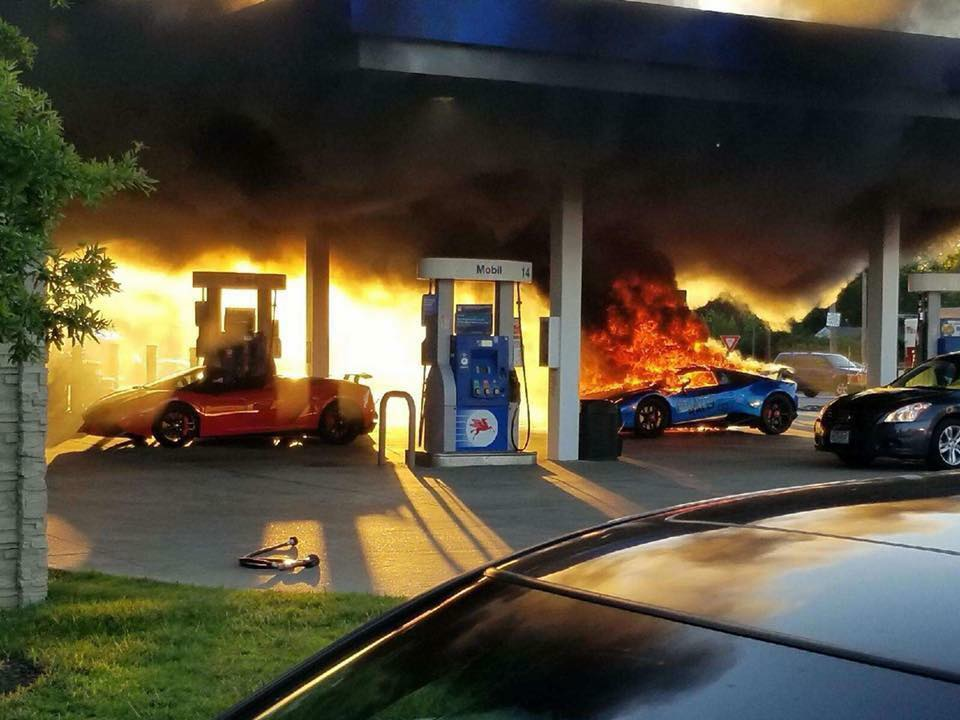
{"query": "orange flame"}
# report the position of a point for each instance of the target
(374, 322)
(649, 333)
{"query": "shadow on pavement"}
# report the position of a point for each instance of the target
(186, 515)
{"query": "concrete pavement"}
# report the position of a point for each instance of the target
(186, 515)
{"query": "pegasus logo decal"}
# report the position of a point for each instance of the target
(479, 425)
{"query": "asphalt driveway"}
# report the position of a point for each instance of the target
(187, 515)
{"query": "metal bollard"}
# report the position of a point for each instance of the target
(411, 453)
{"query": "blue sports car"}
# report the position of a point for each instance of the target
(705, 395)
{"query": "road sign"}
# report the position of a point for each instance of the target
(833, 319)
(730, 341)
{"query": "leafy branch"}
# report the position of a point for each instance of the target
(46, 296)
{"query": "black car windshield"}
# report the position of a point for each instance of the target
(505, 653)
(937, 373)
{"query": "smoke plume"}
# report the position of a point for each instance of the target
(258, 142)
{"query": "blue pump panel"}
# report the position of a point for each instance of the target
(948, 344)
(480, 367)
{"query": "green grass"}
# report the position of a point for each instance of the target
(115, 647)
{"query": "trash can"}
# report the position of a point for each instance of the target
(599, 430)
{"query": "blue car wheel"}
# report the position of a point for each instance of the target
(776, 417)
(652, 418)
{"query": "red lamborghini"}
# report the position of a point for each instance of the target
(178, 409)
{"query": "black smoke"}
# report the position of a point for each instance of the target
(258, 139)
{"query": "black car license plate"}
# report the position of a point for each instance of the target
(839, 437)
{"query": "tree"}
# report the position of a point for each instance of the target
(46, 295)
(726, 316)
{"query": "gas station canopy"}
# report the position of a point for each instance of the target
(636, 47)
(614, 47)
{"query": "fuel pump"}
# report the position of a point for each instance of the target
(471, 393)
(482, 367)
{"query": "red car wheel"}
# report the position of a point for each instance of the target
(340, 423)
(176, 426)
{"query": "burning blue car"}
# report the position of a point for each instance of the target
(707, 395)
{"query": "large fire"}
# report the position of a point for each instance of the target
(374, 327)
(648, 334)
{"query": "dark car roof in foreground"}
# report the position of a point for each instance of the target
(863, 568)
(863, 571)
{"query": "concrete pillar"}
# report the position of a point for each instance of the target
(883, 300)
(23, 490)
(863, 317)
(318, 305)
(151, 363)
(933, 323)
(566, 277)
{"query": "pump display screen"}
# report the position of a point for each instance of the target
(474, 320)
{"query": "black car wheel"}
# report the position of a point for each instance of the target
(776, 416)
(945, 448)
(653, 417)
(810, 392)
(339, 423)
(176, 426)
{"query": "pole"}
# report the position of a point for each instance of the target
(566, 277)
(151, 363)
(832, 332)
(932, 334)
(318, 304)
(883, 287)
(864, 329)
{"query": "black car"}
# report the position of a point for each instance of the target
(916, 417)
(817, 372)
(833, 601)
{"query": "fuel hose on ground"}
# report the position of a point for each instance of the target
(257, 561)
